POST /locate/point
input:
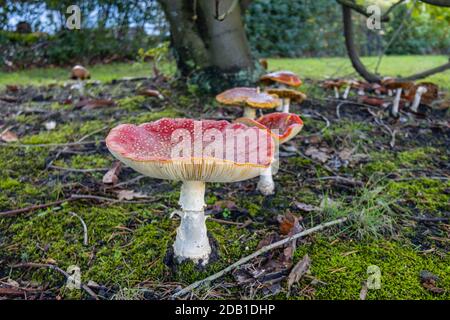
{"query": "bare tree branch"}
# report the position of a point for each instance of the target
(358, 64)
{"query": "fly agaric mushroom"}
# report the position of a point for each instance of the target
(333, 84)
(282, 79)
(399, 87)
(287, 95)
(250, 98)
(283, 127)
(193, 152)
(79, 73)
(350, 84)
(425, 92)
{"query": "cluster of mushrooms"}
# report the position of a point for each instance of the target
(196, 152)
(389, 92)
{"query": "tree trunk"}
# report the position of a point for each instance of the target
(212, 54)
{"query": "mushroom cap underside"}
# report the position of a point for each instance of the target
(294, 95)
(189, 150)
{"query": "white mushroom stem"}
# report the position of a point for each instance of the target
(266, 185)
(192, 240)
(396, 103)
(286, 105)
(336, 92)
(347, 91)
(281, 106)
(250, 112)
(419, 92)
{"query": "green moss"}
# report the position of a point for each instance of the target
(427, 195)
(64, 133)
(343, 267)
(86, 161)
(152, 116)
(131, 103)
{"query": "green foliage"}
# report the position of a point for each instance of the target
(292, 28)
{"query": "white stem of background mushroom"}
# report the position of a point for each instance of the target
(266, 185)
(286, 105)
(192, 239)
(336, 92)
(280, 107)
(396, 103)
(419, 92)
(249, 112)
(347, 91)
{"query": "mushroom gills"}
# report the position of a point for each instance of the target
(192, 240)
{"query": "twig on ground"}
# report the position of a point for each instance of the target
(342, 180)
(73, 197)
(78, 170)
(49, 145)
(79, 141)
(85, 231)
(255, 254)
(58, 269)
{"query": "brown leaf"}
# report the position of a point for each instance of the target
(112, 176)
(317, 154)
(130, 195)
(298, 271)
(8, 136)
(288, 224)
(224, 204)
(9, 99)
(12, 88)
(89, 104)
(363, 292)
(151, 93)
(306, 207)
(431, 286)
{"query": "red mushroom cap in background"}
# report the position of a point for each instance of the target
(284, 126)
(284, 77)
(249, 97)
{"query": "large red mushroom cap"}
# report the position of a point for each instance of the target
(283, 77)
(284, 126)
(189, 150)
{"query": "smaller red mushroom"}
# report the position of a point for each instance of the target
(283, 127)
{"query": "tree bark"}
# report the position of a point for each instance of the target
(213, 54)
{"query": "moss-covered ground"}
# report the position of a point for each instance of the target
(397, 195)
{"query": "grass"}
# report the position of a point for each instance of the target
(314, 68)
(104, 73)
(341, 67)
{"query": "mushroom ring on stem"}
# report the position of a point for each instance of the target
(283, 127)
(250, 98)
(194, 152)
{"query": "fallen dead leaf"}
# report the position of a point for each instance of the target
(8, 136)
(317, 154)
(288, 224)
(363, 292)
(12, 88)
(429, 282)
(112, 176)
(130, 195)
(151, 93)
(305, 207)
(89, 104)
(298, 271)
(9, 99)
